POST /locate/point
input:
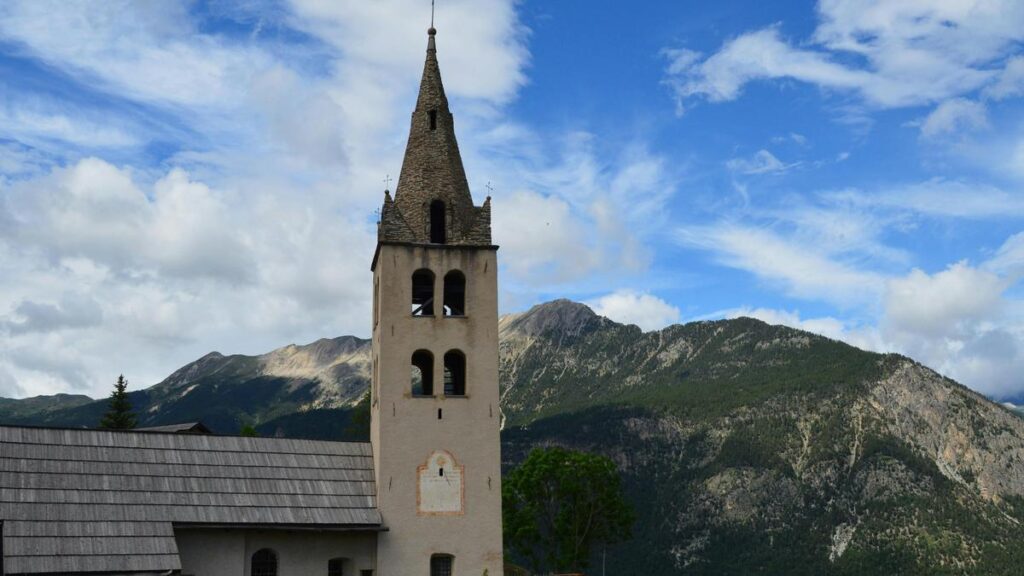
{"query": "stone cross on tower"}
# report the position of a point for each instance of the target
(434, 407)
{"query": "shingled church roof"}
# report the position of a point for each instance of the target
(108, 501)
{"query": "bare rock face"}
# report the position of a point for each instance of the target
(746, 448)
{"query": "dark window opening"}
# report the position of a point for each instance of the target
(454, 374)
(441, 564)
(433, 119)
(454, 294)
(423, 293)
(440, 471)
(264, 563)
(437, 224)
(439, 413)
(422, 373)
(366, 573)
(336, 567)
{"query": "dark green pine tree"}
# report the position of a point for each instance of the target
(119, 416)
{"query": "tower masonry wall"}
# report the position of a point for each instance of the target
(427, 511)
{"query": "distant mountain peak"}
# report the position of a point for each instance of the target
(558, 316)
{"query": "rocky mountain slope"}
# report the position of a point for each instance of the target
(746, 448)
(317, 381)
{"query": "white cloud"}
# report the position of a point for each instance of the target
(243, 238)
(940, 198)
(1011, 81)
(940, 304)
(1009, 259)
(71, 312)
(629, 307)
(800, 269)
(955, 115)
(960, 322)
(889, 54)
(148, 50)
(762, 162)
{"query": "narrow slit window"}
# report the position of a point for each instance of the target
(454, 294)
(422, 377)
(423, 293)
(433, 119)
(454, 373)
(437, 223)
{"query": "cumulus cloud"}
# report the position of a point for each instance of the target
(958, 322)
(97, 211)
(214, 189)
(1011, 81)
(629, 307)
(72, 311)
(913, 53)
(955, 115)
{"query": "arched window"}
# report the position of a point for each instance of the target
(437, 224)
(423, 293)
(441, 564)
(264, 563)
(433, 119)
(422, 373)
(336, 567)
(454, 294)
(454, 373)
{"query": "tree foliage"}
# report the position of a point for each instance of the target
(559, 504)
(119, 415)
(248, 431)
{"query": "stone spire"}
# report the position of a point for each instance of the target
(432, 172)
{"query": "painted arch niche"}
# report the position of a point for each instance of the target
(440, 490)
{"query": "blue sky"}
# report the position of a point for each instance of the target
(181, 178)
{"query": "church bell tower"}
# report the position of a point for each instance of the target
(435, 418)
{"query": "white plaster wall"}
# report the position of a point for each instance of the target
(406, 429)
(227, 552)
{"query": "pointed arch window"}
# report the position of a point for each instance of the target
(454, 373)
(264, 563)
(422, 377)
(437, 223)
(423, 293)
(454, 294)
(433, 119)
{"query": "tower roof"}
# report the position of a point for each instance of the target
(432, 172)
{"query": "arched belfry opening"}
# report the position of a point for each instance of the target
(454, 294)
(433, 119)
(423, 293)
(422, 377)
(437, 222)
(454, 373)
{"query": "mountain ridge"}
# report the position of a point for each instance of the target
(746, 447)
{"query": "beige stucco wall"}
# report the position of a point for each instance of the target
(227, 552)
(407, 430)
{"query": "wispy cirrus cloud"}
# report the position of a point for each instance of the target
(884, 54)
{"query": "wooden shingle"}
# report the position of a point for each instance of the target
(108, 501)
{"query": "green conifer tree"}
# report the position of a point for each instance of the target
(119, 416)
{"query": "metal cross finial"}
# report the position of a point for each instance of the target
(490, 189)
(387, 182)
